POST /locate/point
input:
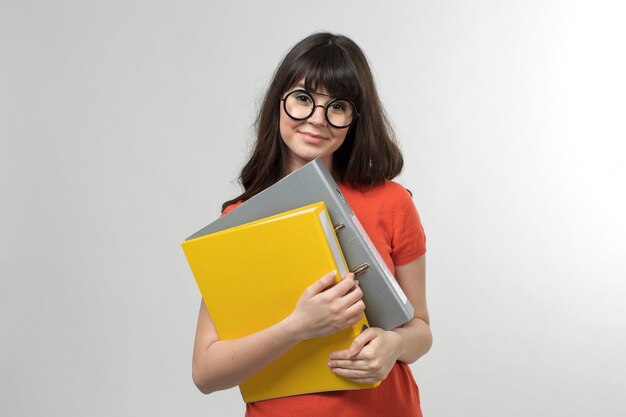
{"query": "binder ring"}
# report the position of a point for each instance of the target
(360, 269)
(339, 227)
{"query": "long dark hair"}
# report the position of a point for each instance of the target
(369, 154)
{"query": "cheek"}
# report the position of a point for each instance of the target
(339, 135)
(286, 124)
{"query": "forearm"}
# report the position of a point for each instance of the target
(415, 340)
(374, 352)
(227, 363)
(322, 309)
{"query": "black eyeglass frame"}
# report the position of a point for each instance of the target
(325, 107)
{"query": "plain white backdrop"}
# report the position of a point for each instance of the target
(123, 125)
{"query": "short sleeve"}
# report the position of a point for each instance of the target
(408, 239)
(231, 207)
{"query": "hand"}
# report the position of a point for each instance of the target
(370, 357)
(325, 308)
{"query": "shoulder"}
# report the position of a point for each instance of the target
(386, 200)
(396, 191)
(387, 212)
(398, 200)
(387, 191)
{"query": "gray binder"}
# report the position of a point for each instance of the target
(386, 305)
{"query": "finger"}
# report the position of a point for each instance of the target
(352, 373)
(349, 275)
(352, 297)
(364, 381)
(321, 284)
(351, 353)
(353, 364)
(356, 285)
(355, 312)
(340, 355)
(358, 376)
(342, 287)
(363, 339)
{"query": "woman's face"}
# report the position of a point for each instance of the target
(312, 137)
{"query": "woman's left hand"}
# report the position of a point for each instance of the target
(370, 357)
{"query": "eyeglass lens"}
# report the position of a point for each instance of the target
(300, 105)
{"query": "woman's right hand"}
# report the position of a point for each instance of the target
(325, 308)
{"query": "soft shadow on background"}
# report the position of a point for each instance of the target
(122, 129)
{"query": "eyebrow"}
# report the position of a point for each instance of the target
(302, 86)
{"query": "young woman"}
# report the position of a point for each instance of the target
(322, 102)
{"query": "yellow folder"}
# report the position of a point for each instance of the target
(251, 277)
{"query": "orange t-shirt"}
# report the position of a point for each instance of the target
(390, 219)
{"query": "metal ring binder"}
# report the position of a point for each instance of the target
(387, 305)
(360, 269)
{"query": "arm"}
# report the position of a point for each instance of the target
(323, 309)
(416, 335)
(374, 352)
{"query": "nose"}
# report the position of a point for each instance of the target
(318, 118)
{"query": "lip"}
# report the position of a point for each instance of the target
(312, 136)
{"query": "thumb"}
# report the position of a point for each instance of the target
(321, 284)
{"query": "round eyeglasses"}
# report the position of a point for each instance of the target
(339, 112)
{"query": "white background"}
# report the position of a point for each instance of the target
(123, 125)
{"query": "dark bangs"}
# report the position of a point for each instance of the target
(327, 66)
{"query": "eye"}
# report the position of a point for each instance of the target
(339, 106)
(302, 97)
